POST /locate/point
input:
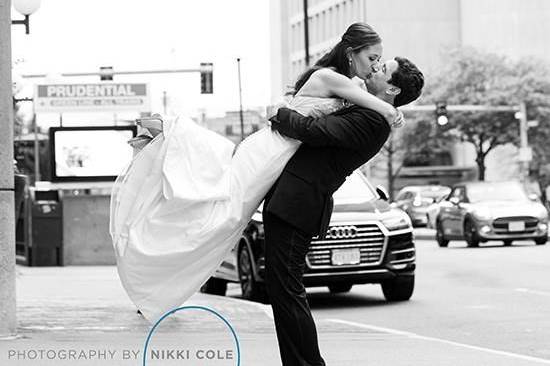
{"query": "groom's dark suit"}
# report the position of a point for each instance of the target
(299, 206)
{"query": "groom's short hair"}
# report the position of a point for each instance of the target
(409, 79)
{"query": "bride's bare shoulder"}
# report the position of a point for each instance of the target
(318, 83)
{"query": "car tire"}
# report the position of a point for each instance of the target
(541, 241)
(470, 234)
(339, 288)
(439, 236)
(507, 243)
(214, 286)
(398, 289)
(251, 289)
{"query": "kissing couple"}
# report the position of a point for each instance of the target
(181, 205)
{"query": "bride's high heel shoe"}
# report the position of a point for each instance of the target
(154, 124)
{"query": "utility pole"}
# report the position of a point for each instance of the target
(306, 33)
(240, 100)
(525, 154)
(7, 211)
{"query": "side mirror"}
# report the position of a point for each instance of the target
(454, 200)
(382, 193)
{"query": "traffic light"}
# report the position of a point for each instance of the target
(207, 69)
(106, 73)
(441, 113)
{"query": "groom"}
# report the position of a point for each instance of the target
(299, 205)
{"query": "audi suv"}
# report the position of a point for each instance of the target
(367, 241)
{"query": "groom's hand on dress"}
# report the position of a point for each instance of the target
(275, 121)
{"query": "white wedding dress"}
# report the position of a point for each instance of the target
(182, 203)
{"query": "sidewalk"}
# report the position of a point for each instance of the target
(84, 310)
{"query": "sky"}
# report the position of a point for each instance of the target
(82, 35)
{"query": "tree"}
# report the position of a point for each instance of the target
(475, 77)
(418, 143)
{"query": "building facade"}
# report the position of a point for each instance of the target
(418, 29)
(421, 30)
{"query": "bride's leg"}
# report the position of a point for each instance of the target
(256, 165)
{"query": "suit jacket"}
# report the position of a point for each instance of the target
(334, 146)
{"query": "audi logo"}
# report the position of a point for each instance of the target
(342, 232)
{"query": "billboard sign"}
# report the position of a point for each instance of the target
(95, 97)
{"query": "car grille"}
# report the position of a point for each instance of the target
(500, 225)
(367, 237)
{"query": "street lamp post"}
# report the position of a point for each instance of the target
(7, 211)
(306, 33)
(240, 100)
(26, 8)
(8, 320)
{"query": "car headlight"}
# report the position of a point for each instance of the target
(397, 223)
(543, 215)
(483, 213)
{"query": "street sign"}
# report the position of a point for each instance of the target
(96, 97)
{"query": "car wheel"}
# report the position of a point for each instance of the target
(470, 233)
(439, 236)
(507, 243)
(541, 241)
(214, 286)
(251, 289)
(398, 289)
(340, 288)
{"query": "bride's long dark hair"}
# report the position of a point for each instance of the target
(357, 36)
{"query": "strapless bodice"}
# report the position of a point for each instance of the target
(316, 106)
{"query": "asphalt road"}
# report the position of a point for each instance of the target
(491, 300)
(493, 296)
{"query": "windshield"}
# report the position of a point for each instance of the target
(436, 193)
(354, 189)
(496, 192)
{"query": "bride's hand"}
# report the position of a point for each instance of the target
(399, 120)
(395, 117)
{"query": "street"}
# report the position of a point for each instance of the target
(471, 306)
(493, 297)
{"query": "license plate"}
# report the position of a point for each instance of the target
(516, 226)
(345, 256)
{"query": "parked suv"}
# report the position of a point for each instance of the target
(367, 242)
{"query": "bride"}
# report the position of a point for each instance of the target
(182, 203)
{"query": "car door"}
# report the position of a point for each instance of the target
(400, 199)
(450, 211)
(457, 210)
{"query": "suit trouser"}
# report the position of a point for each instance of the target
(285, 252)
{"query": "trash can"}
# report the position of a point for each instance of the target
(46, 242)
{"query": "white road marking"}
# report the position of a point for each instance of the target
(434, 339)
(534, 292)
